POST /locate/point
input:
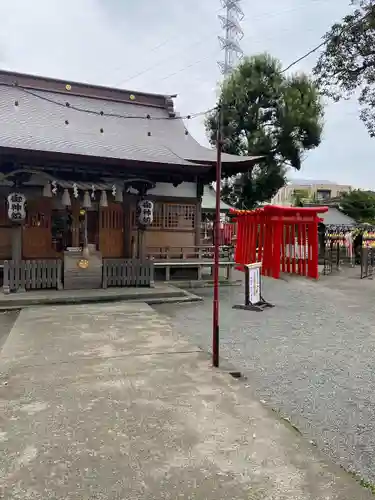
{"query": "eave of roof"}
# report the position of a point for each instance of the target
(69, 88)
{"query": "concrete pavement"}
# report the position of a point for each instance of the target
(160, 293)
(106, 402)
(311, 357)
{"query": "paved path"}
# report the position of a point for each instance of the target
(104, 402)
(312, 357)
(160, 292)
(7, 319)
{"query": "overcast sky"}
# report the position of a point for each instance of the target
(171, 46)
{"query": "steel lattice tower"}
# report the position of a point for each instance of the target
(230, 43)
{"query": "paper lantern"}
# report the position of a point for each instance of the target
(86, 200)
(103, 199)
(47, 191)
(65, 200)
(145, 212)
(118, 197)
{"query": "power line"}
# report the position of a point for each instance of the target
(325, 42)
(186, 117)
(205, 58)
(187, 67)
(313, 50)
(305, 56)
(198, 42)
(149, 68)
(94, 112)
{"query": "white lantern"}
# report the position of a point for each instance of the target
(103, 199)
(47, 191)
(65, 200)
(86, 200)
(118, 197)
(145, 212)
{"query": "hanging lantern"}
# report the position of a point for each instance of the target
(118, 197)
(103, 199)
(114, 190)
(93, 192)
(86, 200)
(145, 212)
(47, 191)
(65, 200)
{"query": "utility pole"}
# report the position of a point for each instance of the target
(215, 315)
(232, 53)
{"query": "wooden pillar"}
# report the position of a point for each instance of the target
(198, 222)
(75, 223)
(17, 251)
(127, 207)
(17, 242)
(141, 247)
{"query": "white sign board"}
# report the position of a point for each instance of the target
(254, 282)
(16, 207)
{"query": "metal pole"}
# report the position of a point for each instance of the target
(215, 316)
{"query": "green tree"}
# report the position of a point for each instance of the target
(265, 112)
(347, 65)
(359, 204)
(300, 196)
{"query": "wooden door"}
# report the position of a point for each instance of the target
(37, 234)
(111, 231)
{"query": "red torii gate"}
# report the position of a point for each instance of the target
(284, 239)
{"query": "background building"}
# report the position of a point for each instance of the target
(311, 190)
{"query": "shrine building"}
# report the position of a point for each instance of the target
(95, 183)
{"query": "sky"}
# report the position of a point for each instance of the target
(171, 47)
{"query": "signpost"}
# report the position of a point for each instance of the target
(254, 300)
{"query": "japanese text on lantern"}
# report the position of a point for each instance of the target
(16, 207)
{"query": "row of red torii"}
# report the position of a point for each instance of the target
(283, 239)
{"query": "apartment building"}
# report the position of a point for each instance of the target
(314, 190)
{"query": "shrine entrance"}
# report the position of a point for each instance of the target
(111, 231)
(36, 230)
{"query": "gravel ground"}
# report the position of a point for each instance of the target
(312, 357)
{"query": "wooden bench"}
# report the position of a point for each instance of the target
(196, 253)
(193, 264)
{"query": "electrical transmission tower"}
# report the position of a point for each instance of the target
(230, 43)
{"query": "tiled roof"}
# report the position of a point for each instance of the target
(30, 119)
(39, 125)
(336, 218)
(209, 201)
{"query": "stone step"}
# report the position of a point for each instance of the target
(158, 294)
